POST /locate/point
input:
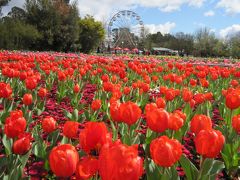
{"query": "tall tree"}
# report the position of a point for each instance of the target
(221, 49)
(17, 13)
(205, 41)
(16, 34)
(91, 33)
(56, 21)
(184, 43)
(234, 44)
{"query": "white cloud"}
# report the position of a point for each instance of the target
(12, 3)
(213, 30)
(209, 13)
(168, 6)
(163, 28)
(104, 8)
(199, 24)
(230, 6)
(229, 30)
(196, 3)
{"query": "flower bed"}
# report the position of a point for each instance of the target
(85, 116)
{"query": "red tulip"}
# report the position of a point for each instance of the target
(134, 85)
(22, 145)
(157, 120)
(233, 100)
(175, 122)
(209, 143)
(170, 94)
(114, 111)
(76, 88)
(199, 98)
(48, 124)
(114, 78)
(187, 95)
(87, 167)
(208, 96)
(160, 102)
(63, 160)
(204, 83)
(130, 112)
(117, 94)
(42, 92)
(31, 83)
(236, 123)
(200, 122)
(15, 124)
(94, 136)
(181, 114)
(154, 78)
(145, 87)
(125, 79)
(119, 161)
(126, 90)
(27, 99)
(5, 90)
(192, 103)
(105, 78)
(61, 76)
(179, 80)
(96, 105)
(150, 107)
(70, 129)
(234, 83)
(165, 152)
(193, 82)
(214, 76)
(23, 76)
(107, 86)
(16, 114)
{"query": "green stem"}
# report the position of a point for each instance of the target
(172, 134)
(201, 168)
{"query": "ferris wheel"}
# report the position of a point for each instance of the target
(125, 29)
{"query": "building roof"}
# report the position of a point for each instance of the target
(164, 49)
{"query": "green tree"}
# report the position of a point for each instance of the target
(234, 44)
(91, 33)
(17, 13)
(57, 22)
(16, 34)
(221, 49)
(205, 42)
(184, 43)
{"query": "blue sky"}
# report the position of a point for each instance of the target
(188, 19)
(220, 16)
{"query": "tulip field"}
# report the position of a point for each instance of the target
(69, 116)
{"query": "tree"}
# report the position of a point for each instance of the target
(16, 34)
(184, 43)
(67, 35)
(91, 33)
(234, 43)
(205, 41)
(148, 44)
(57, 22)
(221, 49)
(17, 13)
(160, 40)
